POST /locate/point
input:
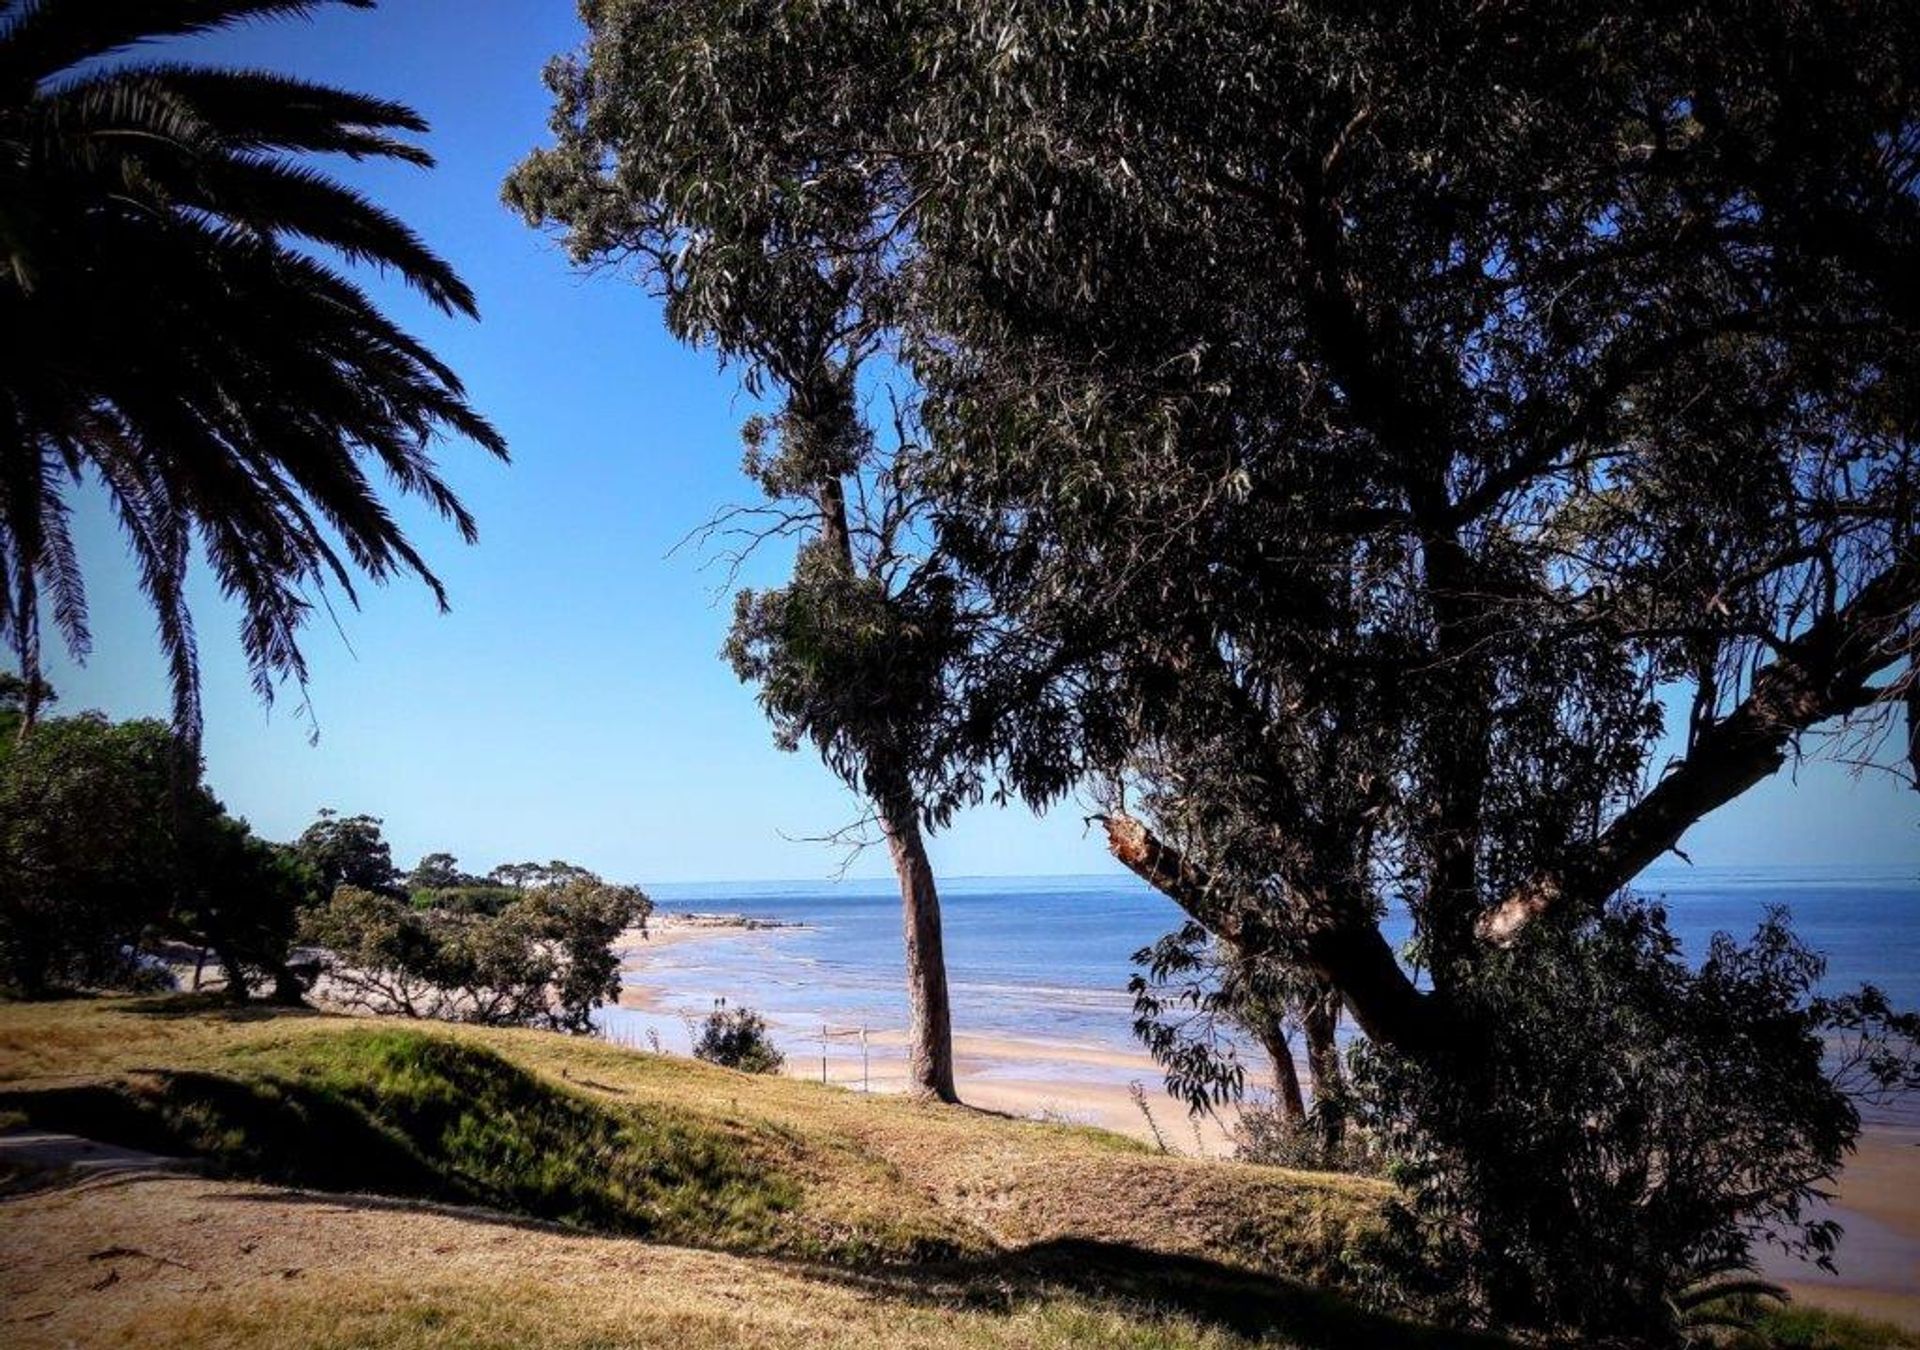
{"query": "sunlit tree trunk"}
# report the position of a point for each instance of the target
(930, 1018)
(930, 1030)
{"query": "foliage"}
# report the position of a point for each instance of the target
(736, 1038)
(1341, 427)
(533, 875)
(437, 872)
(242, 897)
(479, 899)
(1635, 1125)
(1184, 1000)
(543, 959)
(86, 848)
(107, 839)
(347, 851)
(171, 329)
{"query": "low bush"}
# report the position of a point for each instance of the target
(1263, 1134)
(1621, 1128)
(736, 1038)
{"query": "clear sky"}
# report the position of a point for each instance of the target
(573, 704)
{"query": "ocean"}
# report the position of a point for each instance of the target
(1048, 958)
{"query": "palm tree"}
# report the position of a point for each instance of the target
(168, 326)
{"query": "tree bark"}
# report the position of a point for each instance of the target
(1286, 1077)
(1353, 958)
(1319, 1020)
(930, 1030)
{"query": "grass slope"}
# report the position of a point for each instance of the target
(826, 1217)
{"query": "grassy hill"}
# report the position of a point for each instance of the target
(458, 1187)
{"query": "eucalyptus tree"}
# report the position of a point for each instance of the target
(1365, 422)
(702, 160)
(172, 329)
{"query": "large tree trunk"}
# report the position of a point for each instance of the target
(930, 1033)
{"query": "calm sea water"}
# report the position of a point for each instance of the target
(1050, 956)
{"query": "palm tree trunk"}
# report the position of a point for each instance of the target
(930, 1030)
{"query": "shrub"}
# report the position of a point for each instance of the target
(736, 1038)
(1619, 1128)
(1263, 1134)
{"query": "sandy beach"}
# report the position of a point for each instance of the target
(1035, 1077)
(1040, 1077)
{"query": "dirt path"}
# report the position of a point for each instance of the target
(150, 1259)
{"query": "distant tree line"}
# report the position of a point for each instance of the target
(116, 862)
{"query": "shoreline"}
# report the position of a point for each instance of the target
(1033, 1076)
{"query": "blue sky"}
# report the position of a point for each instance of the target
(573, 704)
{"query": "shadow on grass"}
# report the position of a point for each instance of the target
(396, 1119)
(400, 1113)
(212, 1004)
(1233, 1299)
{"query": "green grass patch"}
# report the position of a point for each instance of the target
(1799, 1327)
(401, 1112)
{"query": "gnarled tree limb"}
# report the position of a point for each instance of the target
(1354, 958)
(1821, 674)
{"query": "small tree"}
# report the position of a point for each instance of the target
(736, 1038)
(437, 872)
(542, 959)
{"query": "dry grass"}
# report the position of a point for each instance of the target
(897, 1171)
(200, 1263)
(1049, 1235)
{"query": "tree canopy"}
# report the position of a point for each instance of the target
(108, 843)
(1430, 456)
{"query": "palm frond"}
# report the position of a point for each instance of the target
(39, 38)
(168, 325)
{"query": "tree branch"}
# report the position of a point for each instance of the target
(1354, 958)
(1821, 674)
